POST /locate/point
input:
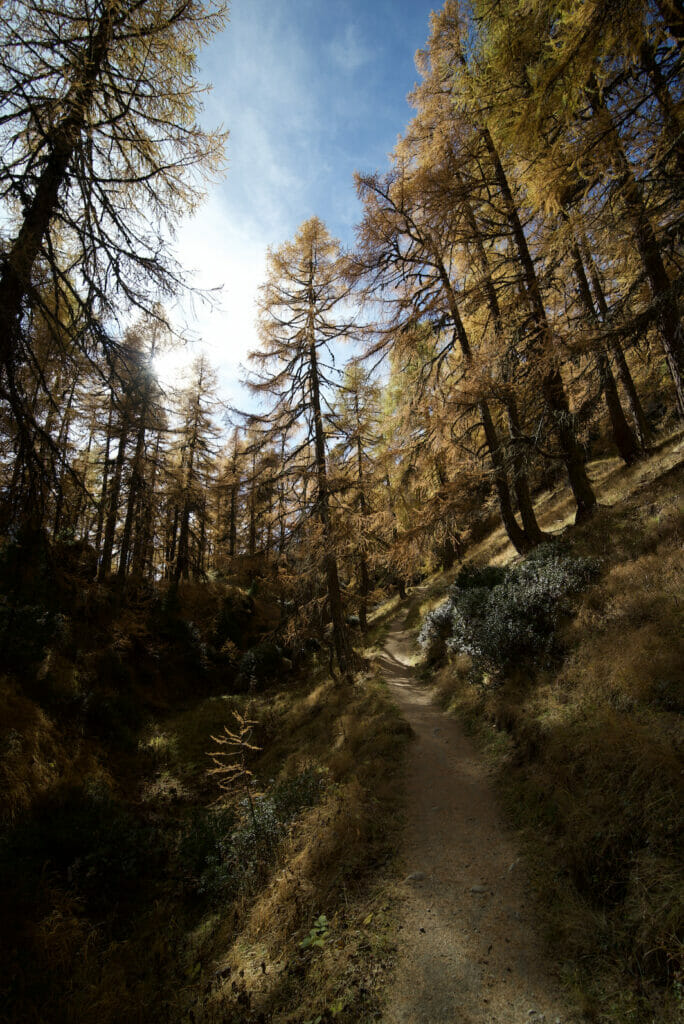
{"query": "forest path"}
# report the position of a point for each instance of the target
(467, 949)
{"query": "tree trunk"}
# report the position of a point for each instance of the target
(664, 299)
(232, 524)
(142, 547)
(201, 547)
(83, 518)
(234, 488)
(641, 427)
(397, 580)
(21, 257)
(113, 508)
(364, 581)
(520, 482)
(102, 505)
(341, 643)
(134, 492)
(137, 482)
(182, 570)
(673, 128)
(552, 386)
(171, 543)
(515, 534)
(62, 444)
(625, 441)
(533, 532)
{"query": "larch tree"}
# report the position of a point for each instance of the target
(299, 322)
(355, 424)
(148, 413)
(447, 63)
(101, 152)
(124, 383)
(196, 455)
(592, 114)
(408, 258)
(230, 472)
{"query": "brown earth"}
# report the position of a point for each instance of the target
(468, 952)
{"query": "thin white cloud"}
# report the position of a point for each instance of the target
(348, 51)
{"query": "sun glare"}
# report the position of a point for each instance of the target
(173, 365)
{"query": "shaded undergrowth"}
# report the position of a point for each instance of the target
(130, 893)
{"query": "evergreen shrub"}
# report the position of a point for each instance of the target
(501, 617)
(222, 853)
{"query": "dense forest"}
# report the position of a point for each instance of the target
(508, 316)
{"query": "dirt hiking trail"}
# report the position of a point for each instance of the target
(467, 950)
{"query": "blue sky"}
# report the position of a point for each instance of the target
(310, 91)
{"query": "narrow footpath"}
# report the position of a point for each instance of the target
(467, 949)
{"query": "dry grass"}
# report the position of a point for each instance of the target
(29, 752)
(329, 864)
(35, 758)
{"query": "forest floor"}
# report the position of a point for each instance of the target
(468, 949)
(515, 859)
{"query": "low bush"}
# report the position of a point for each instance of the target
(223, 851)
(292, 795)
(202, 852)
(232, 620)
(502, 616)
(260, 665)
(436, 632)
(26, 632)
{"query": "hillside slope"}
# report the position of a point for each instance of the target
(585, 744)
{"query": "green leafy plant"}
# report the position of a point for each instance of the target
(223, 852)
(203, 853)
(333, 1010)
(292, 795)
(317, 935)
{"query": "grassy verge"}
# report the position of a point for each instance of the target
(587, 756)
